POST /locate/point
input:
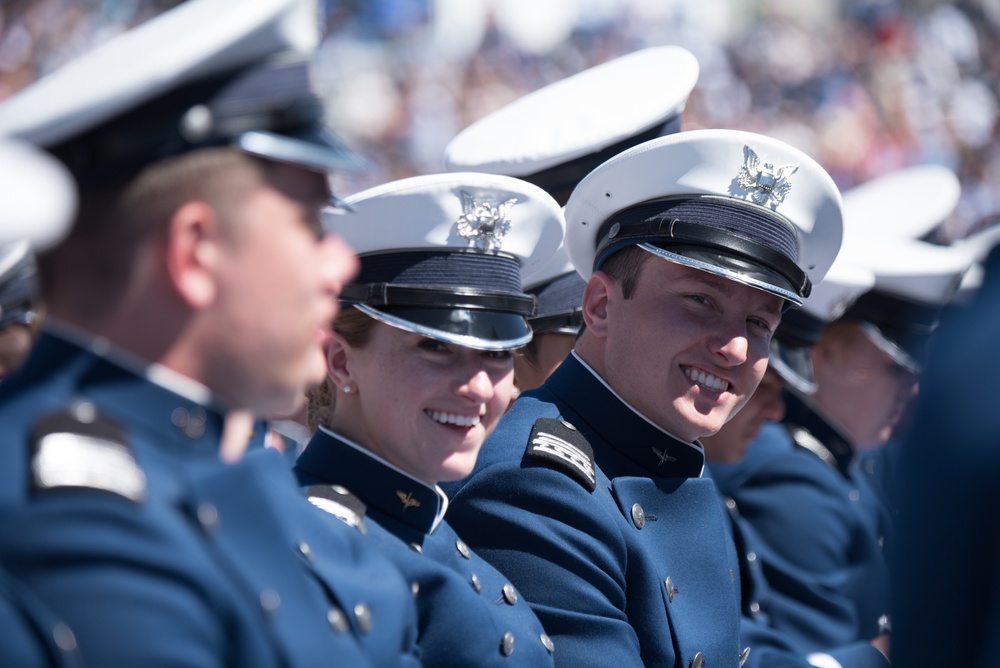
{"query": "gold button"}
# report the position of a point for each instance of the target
(547, 641)
(743, 655)
(509, 594)
(697, 661)
(476, 584)
(305, 550)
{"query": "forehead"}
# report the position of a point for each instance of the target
(303, 185)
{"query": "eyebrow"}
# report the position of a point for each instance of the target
(727, 288)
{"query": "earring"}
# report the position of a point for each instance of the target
(347, 389)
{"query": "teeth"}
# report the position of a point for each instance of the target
(450, 418)
(708, 380)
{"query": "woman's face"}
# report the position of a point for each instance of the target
(423, 405)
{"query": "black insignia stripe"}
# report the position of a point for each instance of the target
(81, 449)
(564, 447)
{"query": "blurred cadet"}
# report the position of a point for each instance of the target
(819, 519)
(20, 304)
(558, 289)
(420, 371)
(553, 137)
(589, 494)
(767, 612)
(202, 167)
(37, 200)
(946, 495)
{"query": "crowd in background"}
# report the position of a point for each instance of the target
(864, 86)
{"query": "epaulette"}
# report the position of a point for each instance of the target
(807, 441)
(559, 444)
(80, 449)
(339, 502)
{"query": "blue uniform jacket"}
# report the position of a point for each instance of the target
(602, 520)
(470, 614)
(945, 558)
(119, 515)
(768, 646)
(818, 550)
(31, 636)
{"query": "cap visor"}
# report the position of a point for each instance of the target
(316, 149)
(727, 266)
(794, 365)
(472, 328)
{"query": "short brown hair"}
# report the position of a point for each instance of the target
(625, 266)
(91, 269)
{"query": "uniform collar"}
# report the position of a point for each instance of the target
(379, 484)
(812, 431)
(625, 429)
(120, 387)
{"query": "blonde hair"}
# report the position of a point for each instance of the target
(356, 329)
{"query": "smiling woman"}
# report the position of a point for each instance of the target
(419, 371)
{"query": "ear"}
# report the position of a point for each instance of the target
(192, 253)
(338, 358)
(599, 290)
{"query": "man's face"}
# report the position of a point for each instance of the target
(861, 389)
(279, 282)
(689, 348)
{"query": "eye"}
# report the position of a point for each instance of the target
(432, 345)
(761, 323)
(498, 354)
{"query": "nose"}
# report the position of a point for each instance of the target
(732, 344)
(477, 385)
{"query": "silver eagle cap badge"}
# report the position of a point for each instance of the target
(484, 224)
(761, 182)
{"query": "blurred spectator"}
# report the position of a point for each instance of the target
(863, 86)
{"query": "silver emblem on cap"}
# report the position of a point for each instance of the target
(484, 224)
(761, 182)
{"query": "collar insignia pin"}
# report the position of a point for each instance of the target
(663, 456)
(407, 499)
(483, 223)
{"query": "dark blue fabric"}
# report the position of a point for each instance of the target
(151, 582)
(819, 553)
(770, 647)
(563, 294)
(442, 269)
(595, 579)
(460, 625)
(948, 527)
(750, 222)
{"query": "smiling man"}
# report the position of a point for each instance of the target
(589, 494)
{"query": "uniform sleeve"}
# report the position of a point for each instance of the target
(801, 519)
(769, 649)
(126, 584)
(562, 550)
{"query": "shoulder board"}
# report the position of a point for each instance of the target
(560, 445)
(80, 449)
(807, 441)
(340, 503)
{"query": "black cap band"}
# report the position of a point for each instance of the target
(385, 294)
